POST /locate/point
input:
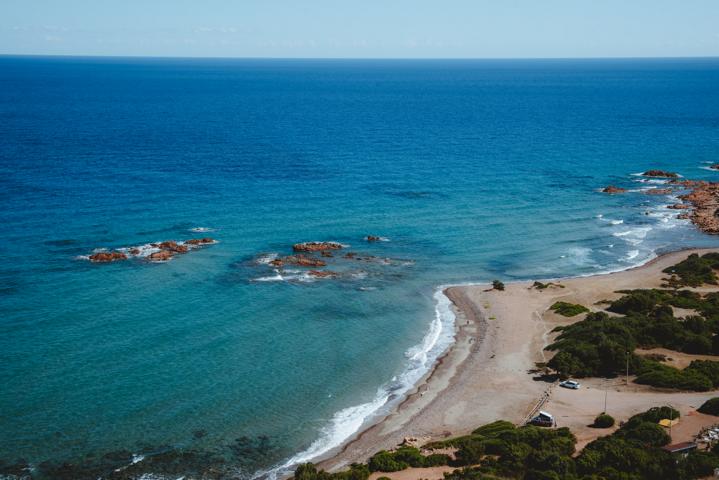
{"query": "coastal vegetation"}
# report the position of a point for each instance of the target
(604, 345)
(710, 407)
(501, 450)
(497, 285)
(694, 271)
(568, 309)
(603, 420)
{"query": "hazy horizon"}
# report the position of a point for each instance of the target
(518, 29)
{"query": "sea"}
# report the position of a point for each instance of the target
(218, 363)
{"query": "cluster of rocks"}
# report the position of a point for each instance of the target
(660, 174)
(164, 251)
(704, 198)
(701, 202)
(313, 255)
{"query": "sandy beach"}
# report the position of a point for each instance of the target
(485, 375)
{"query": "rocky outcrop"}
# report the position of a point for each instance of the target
(705, 200)
(298, 260)
(714, 166)
(106, 257)
(161, 256)
(688, 183)
(658, 191)
(373, 238)
(678, 206)
(612, 189)
(171, 246)
(200, 241)
(316, 246)
(322, 273)
(660, 173)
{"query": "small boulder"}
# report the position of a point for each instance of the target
(200, 241)
(322, 273)
(161, 256)
(613, 189)
(316, 246)
(660, 173)
(658, 191)
(373, 238)
(106, 257)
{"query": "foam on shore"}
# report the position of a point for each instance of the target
(348, 421)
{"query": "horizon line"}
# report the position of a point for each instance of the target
(181, 57)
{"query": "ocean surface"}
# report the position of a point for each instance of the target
(214, 360)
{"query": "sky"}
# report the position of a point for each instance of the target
(361, 28)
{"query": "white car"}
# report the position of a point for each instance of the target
(570, 384)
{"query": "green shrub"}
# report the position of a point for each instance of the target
(568, 309)
(695, 270)
(497, 285)
(494, 428)
(603, 420)
(384, 461)
(710, 407)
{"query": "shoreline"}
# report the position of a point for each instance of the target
(436, 406)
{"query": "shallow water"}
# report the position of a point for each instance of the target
(473, 170)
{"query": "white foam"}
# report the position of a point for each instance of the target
(265, 259)
(631, 255)
(348, 421)
(633, 236)
(202, 229)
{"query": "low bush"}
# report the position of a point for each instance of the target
(497, 285)
(568, 309)
(710, 407)
(603, 420)
(695, 270)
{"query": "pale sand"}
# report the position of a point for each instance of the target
(484, 375)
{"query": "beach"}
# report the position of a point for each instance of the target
(485, 375)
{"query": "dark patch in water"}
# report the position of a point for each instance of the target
(61, 243)
(239, 459)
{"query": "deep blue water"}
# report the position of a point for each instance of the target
(473, 170)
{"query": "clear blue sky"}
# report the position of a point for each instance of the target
(361, 28)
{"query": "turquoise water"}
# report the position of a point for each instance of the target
(473, 170)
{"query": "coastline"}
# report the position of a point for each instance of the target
(484, 374)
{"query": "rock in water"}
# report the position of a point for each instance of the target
(316, 246)
(161, 256)
(660, 173)
(705, 200)
(613, 189)
(105, 257)
(200, 241)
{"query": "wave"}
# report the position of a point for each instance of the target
(202, 229)
(348, 421)
(633, 236)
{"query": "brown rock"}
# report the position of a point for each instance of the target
(161, 256)
(325, 253)
(678, 206)
(660, 173)
(298, 260)
(134, 251)
(172, 246)
(705, 200)
(714, 166)
(688, 183)
(658, 191)
(322, 273)
(105, 257)
(350, 255)
(200, 241)
(316, 246)
(613, 189)
(373, 238)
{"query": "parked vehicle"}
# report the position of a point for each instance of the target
(570, 384)
(543, 419)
